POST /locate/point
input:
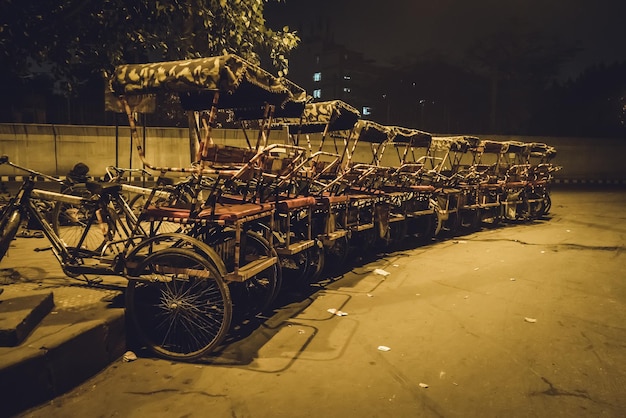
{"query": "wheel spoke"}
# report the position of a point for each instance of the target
(179, 317)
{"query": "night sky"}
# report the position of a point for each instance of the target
(386, 29)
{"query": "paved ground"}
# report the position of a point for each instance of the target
(518, 321)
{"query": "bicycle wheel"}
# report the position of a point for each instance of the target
(9, 223)
(137, 204)
(422, 228)
(547, 203)
(336, 254)
(536, 205)
(72, 225)
(256, 294)
(183, 310)
(470, 220)
(316, 261)
(70, 221)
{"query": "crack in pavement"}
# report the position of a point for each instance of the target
(572, 246)
(182, 392)
(554, 391)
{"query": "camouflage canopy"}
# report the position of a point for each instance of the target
(514, 147)
(413, 137)
(373, 132)
(454, 143)
(336, 115)
(240, 84)
(492, 147)
(541, 150)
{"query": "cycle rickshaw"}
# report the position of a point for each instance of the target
(326, 128)
(183, 287)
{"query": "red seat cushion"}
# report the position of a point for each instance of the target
(294, 203)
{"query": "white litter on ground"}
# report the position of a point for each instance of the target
(337, 312)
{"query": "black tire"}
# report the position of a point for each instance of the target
(364, 242)
(470, 220)
(547, 203)
(294, 268)
(537, 208)
(422, 228)
(523, 210)
(71, 222)
(255, 295)
(398, 232)
(9, 224)
(316, 260)
(335, 255)
(183, 316)
(491, 217)
(136, 203)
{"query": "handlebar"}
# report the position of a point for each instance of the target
(114, 173)
(4, 159)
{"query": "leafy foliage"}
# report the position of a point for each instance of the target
(74, 39)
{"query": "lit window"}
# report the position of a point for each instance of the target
(346, 89)
(317, 76)
(366, 110)
(317, 93)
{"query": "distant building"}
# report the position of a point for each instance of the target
(328, 71)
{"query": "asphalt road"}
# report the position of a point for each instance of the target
(520, 321)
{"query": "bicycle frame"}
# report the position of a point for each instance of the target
(72, 259)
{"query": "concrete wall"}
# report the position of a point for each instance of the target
(590, 159)
(54, 149)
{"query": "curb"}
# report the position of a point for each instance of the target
(61, 360)
(584, 182)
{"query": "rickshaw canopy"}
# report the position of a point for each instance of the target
(541, 150)
(413, 137)
(514, 147)
(452, 143)
(336, 114)
(369, 131)
(492, 147)
(240, 84)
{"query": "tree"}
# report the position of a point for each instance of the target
(519, 63)
(74, 39)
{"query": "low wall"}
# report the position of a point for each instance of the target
(54, 149)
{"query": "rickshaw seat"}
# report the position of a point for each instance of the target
(157, 212)
(297, 202)
(226, 212)
(490, 186)
(422, 188)
(218, 153)
(516, 184)
(234, 212)
(330, 200)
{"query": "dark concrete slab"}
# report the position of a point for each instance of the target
(20, 315)
(73, 339)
